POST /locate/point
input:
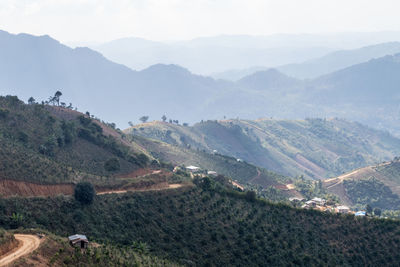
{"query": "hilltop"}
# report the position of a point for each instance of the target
(315, 148)
(50, 145)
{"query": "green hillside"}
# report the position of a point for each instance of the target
(377, 186)
(214, 227)
(241, 171)
(315, 148)
(48, 144)
(56, 251)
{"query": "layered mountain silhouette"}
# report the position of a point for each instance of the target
(38, 66)
(319, 66)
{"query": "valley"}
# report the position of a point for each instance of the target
(314, 148)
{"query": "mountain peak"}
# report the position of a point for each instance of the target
(169, 68)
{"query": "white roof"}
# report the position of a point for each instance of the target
(211, 172)
(191, 167)
(343, 208)
(317, 199)
(75, 237)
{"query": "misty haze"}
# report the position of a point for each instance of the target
(199, 133)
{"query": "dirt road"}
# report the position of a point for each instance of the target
(27, 244)
(170, 186)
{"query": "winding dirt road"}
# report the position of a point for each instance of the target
(27, 244)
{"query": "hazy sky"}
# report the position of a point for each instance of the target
(103, 20)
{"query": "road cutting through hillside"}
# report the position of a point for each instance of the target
(170, 186)
(27, 244)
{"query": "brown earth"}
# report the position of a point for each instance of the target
(10, 188)
(27, 244)
(8, 246)
(157, 187)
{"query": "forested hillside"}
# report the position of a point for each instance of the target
(314, 148)
(207, 225)
(51, 144)
(377, 186)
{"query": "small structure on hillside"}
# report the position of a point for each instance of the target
(343, 209)
(239, 160)
(193, 169)
(296, 199)
(310, 204)
(212, 173)
(360, 213)
(319, 201)
(78, 241)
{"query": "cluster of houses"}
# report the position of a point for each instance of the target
(197, 170)
(321, 204)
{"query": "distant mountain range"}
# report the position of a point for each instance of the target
(203, 58)
(326, 64)
(38, 66)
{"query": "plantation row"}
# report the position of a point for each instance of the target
(210, 225)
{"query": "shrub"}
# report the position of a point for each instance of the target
(112, 165)
(84, 192)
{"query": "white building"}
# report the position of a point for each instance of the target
(319, 201)
(212, 173)
(343, 209)
(193, 169)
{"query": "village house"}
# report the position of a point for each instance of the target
(360, 213)
(296, 199)
(343, 209)
(212, 173)
(319, 201)
(193, 169)
(78, 241)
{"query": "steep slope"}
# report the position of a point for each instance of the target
(48, 144)
(339, 60)
(378, 186)
(56, 251)
(243, 172)
(211, 227)
(314, 148)
(45, 150)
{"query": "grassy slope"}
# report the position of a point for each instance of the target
(377, 185)
(315, 148)
(228, 166)
(208, 227)
(38, 144)
(47, 144)
(56, 251)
